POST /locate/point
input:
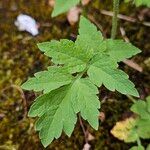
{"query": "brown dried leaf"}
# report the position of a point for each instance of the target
(73, 15)
(90, 137)
(86, 146)
(85, 2)
(102, 116)
(51, 3)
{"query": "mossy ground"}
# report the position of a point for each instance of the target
(20, 58)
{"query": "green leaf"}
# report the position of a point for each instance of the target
(56, 114)
(57, 110)
(137, 148)
(140, 2)
(86, 102)
(49, 80)
(126, 130)
(148, 103)
(62, 6)
(131, 129)
(68, 90)
(89, 37)
(103, 71)
(120, 50)
(74, 57)
(148, 147)
(140, 108)
(143, 128)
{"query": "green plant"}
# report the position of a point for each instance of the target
(70, 86)
(134, 128)
(62, 6)
(94, 60)
(140, 2)
(114, 21)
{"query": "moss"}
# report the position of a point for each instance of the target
(20, 58)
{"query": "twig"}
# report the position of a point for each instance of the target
(22, 97)
(123, 33)
(133, 65)
(45, 24)
(83, 129)
(128, 62)
(95, 22)
(124, 17)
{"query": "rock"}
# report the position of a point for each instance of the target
(27, 23)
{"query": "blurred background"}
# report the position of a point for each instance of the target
(20, 59)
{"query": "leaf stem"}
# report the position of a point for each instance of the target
(115, 19)
(131, 98)
(83, 72)
(139, 142)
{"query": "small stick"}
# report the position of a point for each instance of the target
(128, 62)
(133, 65)
(97, 24)
(123, 33)
(124, 17)
(22, 97)
(83, 129)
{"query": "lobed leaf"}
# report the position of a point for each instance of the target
(57, 110)
(56, 114)
(137, 148)
(49, 80)
(141, 108)
(89, 37)
(67, 53)
(86, 102)
(104, 72)
(141, 2)
(143, 128)
(61, 6)
(120, 50)
(131, 129)
(65, 94)
(125, 130)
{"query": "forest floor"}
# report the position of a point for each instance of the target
(20, 58)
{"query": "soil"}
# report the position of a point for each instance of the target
(20, 58)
